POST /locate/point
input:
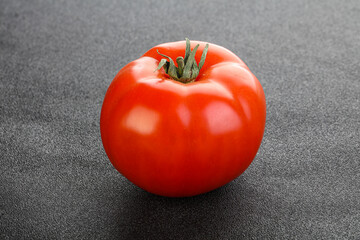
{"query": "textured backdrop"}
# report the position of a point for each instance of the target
(57, 59)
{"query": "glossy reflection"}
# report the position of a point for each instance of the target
(221, 118)
(142, 120)
(184, 114)
(246, 109)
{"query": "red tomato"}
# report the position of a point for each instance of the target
(183, 139)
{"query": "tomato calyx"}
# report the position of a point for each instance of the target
(187, 69)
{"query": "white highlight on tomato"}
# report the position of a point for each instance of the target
(142, 120)
(221, 118)
(184, 114)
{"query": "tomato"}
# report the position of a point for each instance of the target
(181, 139)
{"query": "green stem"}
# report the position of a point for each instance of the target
(187, 69)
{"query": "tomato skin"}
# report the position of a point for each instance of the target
(175, 139)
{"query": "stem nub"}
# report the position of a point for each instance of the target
(187, 69)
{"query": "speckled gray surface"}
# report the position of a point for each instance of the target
(57, 59)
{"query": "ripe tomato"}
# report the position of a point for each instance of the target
(182, 139)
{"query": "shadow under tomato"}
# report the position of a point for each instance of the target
(141, 215)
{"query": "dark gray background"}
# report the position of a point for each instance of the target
(57, 59)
